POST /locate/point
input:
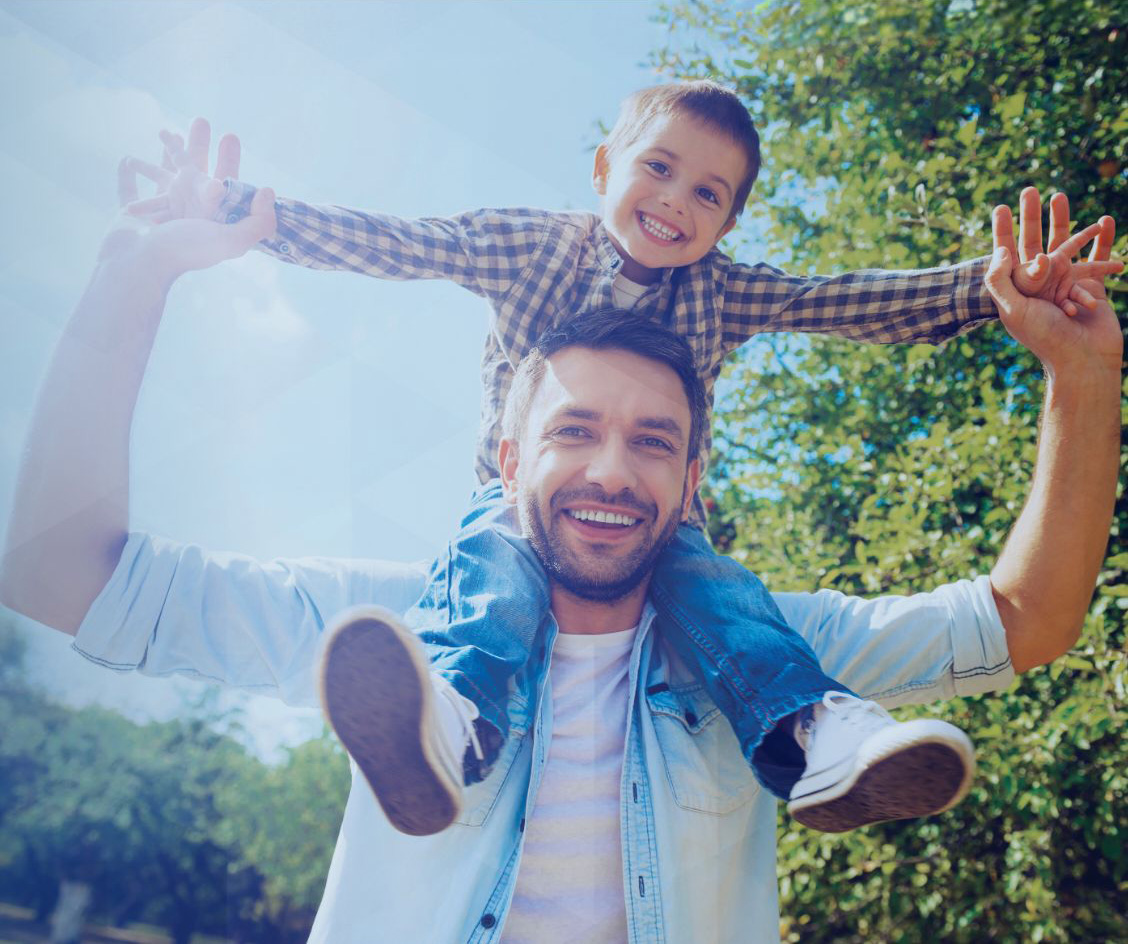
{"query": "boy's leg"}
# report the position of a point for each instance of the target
(843, 762)
(425, 710)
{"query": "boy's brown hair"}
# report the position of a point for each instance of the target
(713, 105)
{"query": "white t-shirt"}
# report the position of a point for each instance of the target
(570, 880)
(626, 293)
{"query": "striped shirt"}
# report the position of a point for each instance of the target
(539, 268)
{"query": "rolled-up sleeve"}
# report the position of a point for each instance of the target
(173, 608)
(905, 649)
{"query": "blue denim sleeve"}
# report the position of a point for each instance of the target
(173, 608)
(907, 649)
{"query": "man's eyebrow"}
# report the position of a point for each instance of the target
(714, 177)
(576, 413)
(662, 424)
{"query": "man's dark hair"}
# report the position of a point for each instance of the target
(715, 106)
(611, 329)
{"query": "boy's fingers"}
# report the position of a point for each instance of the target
(126, 182)
(227, 157)
(144, 207)
(1083, 297)
(1073, 245)
(1096, 270)
(1059, 221)
(999, 283)
(1029, 224)
(199, 142)
(157, 175)
(1102, 245)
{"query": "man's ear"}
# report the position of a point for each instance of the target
(600, 170)
(507, 463)
(692, 480)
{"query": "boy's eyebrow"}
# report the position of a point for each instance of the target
(715, 177)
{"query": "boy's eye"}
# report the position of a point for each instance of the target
(706, 194)
(659, 167)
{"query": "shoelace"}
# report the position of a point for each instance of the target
(462, 708)
(851, 710)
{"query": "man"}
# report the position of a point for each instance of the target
(691, 857)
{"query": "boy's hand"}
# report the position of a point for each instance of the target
(175, 230)
(1053, 275)
(1087, 341)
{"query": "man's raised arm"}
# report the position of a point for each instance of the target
(70, 515)
(1044, 579)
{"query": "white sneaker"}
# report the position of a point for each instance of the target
(393, 715)
(865, 767)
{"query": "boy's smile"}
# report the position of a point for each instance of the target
(668, 197)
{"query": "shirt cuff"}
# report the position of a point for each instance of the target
(981, 661)
(117, 629)
(236, 202)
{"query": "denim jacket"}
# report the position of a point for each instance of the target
(698, 832)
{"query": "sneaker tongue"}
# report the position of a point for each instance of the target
(803, 725)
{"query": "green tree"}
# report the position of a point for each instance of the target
(891, 129)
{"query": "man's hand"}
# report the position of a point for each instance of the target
(1088, 339)
(1053, 275)
(175, 230)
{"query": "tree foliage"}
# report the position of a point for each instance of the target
(170, 823)
(891, 129)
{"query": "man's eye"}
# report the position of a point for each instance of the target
(659, 168)
(706, 194)
(655, 442)
(571, 432)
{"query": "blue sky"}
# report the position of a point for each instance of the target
(288, 412)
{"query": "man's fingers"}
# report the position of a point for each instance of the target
(1102, 245)
(228, 157)
(1029, 224)
(126, 182)
(199, 142)
(261, 219)
(1002, 229)
(1059, 221)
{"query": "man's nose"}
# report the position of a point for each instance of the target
(611, 468)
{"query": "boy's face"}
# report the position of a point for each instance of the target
(668, 197)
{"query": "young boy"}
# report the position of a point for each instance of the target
(673, 174)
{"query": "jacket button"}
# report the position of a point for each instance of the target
(488, 921)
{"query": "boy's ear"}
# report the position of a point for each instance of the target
(600, 170)
(507, 463)
(726, 229)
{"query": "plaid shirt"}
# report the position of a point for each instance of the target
(539, 268)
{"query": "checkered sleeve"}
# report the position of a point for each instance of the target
(872, 305)
(482, 250)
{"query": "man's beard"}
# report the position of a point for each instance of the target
(593, 578)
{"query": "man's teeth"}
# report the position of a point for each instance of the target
(658, 229)
(602, 517)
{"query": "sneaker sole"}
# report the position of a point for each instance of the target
(917, 780)
(376, 695)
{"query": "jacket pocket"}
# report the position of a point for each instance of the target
(704, 766)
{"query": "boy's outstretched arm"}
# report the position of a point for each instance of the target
(483, 251)
(70, 514)
(1045, 576)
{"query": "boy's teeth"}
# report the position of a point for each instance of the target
(658, 229)
(603, 517)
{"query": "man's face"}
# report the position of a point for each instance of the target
(668, 197)
(600, 476)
